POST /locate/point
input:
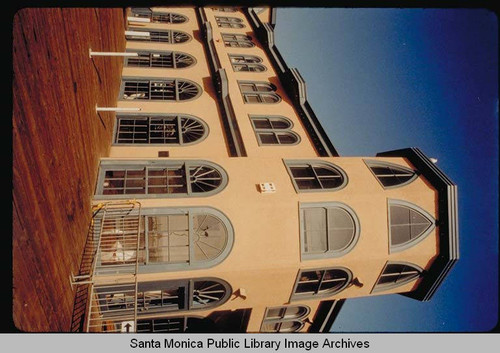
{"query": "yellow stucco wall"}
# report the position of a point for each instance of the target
(266, 257)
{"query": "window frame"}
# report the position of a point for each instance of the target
(420, 237)
(260, 94)
(109, 164)
(283, 318)
(187, 284)
(162, 36)
(388, 286)
(231, 22)
(237, 39)
(320, 294)
(311, 163)
(143, 116)
(160, 52)
(375, 163)
(192, 264)
(305, 256)
(275, 131)
(150, 80)
(246, 62)
(146, 11)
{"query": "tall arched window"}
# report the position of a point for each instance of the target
(169, 239)
(237, 40)
(396, 274)
(408, 224)
(258, 92)
(157, 35)
(274, 130)
(159, 89)
(250, 63)
(229, 22)
(163, 59)
(322, 282)
(327, 229)
(158, 16)
(289, 318)
(391, 175)
(310, 175)
(161, 296)
(119, 179)
(152, 129)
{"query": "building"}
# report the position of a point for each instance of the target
(223, 205)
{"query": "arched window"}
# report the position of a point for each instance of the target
(258, 92)
(168, 239)
(163, 59)
(321, 282)
(237, 40)
(396, 274)
(159, 89)
(119, 179)
(229, 22)
(274, 130)
(224, 9)
(408, 224)
(248, 63)
(157, 35)
(391, 175)
(158, 17)
(327, 229)
(161, 296)
(289, 318)
(310, 176)
(159, 129)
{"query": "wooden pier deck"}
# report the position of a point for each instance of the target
(57, 140)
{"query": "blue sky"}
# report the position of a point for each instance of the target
(383, 79)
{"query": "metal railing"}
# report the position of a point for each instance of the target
(115, 248)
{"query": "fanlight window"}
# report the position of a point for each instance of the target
(258, 92)
(321, 282)
(396, 274)
(224, 9)
(249, 63)
(158, 17)
(391, 175)
(288, 318)
(408, 224)
(327, 230)
(155, 89)
(229, 22)
(274, 130)
(237, 40)
(163, 297)
(122, 179)
(157, 35)
(168, 129)
(316, 176)
(167, 59)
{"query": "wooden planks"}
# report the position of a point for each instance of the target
(57, 141)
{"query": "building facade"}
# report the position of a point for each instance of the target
(224, 207)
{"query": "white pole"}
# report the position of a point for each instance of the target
(138, 19)
(137, 33)
(116, 109)
(110, 53)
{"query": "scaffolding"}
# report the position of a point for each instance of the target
(114, 248)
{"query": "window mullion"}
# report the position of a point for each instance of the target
(179, 130)
(176, 88)
(316, 176)
(146, 239)
(187, 179)
(190, 237)
(321, 281)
